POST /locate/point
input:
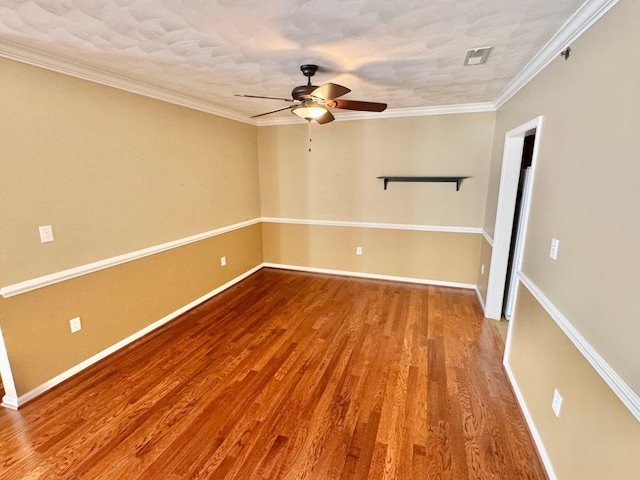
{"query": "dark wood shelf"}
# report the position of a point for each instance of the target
(456, 180)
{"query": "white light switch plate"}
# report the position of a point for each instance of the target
(223, 261)
(46, 233)
(358, 250)
(556, 403)
(553, 252)
(75, 325)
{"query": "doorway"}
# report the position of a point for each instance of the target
(513, 264)
(504, 245)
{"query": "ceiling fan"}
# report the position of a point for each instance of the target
(312, 103)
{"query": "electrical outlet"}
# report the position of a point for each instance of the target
(553, 252)
(358, 250)
(482, 269)
(46, 233)
(223, 261)
(556, 403)
(75, 324)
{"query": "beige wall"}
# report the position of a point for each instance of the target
(585, 188)
(115, 172)
(337, 179)
(595, 437)
(440, 256)
(111, 171)
(115, 303)
(585, 194)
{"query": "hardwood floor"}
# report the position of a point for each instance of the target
(288, 375)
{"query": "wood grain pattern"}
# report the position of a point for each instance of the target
(289, 376)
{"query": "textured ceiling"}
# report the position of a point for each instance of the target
(407, 53)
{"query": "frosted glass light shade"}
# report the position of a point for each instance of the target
(310, 112)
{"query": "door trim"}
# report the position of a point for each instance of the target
(518, 247)
(509, 178)
(10, 398)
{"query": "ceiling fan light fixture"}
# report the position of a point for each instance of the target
(310, 112)
(315, 103)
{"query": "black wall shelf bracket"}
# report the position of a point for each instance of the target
(456, 180)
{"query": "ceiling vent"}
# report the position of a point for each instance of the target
(476, 56)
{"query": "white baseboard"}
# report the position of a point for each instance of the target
(10, 407)
(15, 403)
(537, 439)
(479, 295)
(374, 225)
(374, 276)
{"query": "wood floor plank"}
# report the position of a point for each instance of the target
(293, 376)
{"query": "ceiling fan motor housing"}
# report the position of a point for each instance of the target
(303, 91)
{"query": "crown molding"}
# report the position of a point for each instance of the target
(390, 113)
(50, 62)
(588, 14)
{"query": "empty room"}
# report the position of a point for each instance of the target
(319, 240)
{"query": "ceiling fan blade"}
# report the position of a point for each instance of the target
(268, 98)
(358, 105)
(326, 118)
(272, 111)
(329, 91)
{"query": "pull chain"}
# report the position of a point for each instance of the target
(309, 121)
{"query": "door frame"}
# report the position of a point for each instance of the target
(510, 302)
(10, 398)
(509, 178)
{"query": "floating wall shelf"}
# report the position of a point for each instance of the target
(456, 180)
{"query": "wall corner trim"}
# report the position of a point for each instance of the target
(45, 280)
(479, 296)
(487, 237)
(14, 403)
(623, 391)
(588, 14)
